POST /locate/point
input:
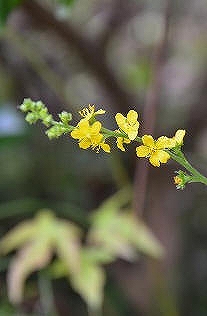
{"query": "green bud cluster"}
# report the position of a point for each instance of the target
(38, 111)
(181, 179)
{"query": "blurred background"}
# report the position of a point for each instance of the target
(147, 55)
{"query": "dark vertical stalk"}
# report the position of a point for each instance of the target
(150, 112)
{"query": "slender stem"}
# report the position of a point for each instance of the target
(46, 295)
(181, 159)
(118, 134)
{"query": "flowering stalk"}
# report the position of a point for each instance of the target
(91, 134)
(195, 175)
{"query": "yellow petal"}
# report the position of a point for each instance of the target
(132, 133)
(154, 159)
(132, 116)
(96, 139)
(142, 151)
(179, 135)
(120, 141)
(105, 147)
(162, 142)
(127, 141)
(85, 143)
(75, 133)
(120, 120)
(163, 156)
(100, 112)
(95, 128)
(83, 124)
(91, 108)
(172, 142)
(148, 140)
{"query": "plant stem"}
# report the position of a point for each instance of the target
(118, 134)
(46, 294)
(181, 159)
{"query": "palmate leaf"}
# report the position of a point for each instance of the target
(6, 6)
(120, 232)
(17, 236)
(30, 258)
(68, 245)
(90, 280)
(38, 240)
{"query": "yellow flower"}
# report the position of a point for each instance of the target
(121, 141)
(88, 113)
(177, 140)
(178, 181)
(154, 149)
(128, 124)
(89, 135)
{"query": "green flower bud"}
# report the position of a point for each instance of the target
(181, 179)
(65, 117)
(57, 130)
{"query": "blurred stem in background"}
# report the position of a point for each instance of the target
(38, 63)
(47, 302)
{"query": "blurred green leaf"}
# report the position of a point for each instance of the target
(67, 2)
(140, 74)
(38, 239)
(121, 233)
(89, 281)
(6, 6)
(6, 309)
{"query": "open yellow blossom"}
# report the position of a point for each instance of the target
(88, 113)
(121, 141)
(128, 124)
(154, 149)
(89, 135)
(177, 140)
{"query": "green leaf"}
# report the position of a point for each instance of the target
(6, 6)
(17, 236)
(140, 236)
(38, 239)
(67, 245)
(90, 280)
(120, 233)
(33, 257)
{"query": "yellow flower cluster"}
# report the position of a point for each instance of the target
(155, 149)
(90, 134)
